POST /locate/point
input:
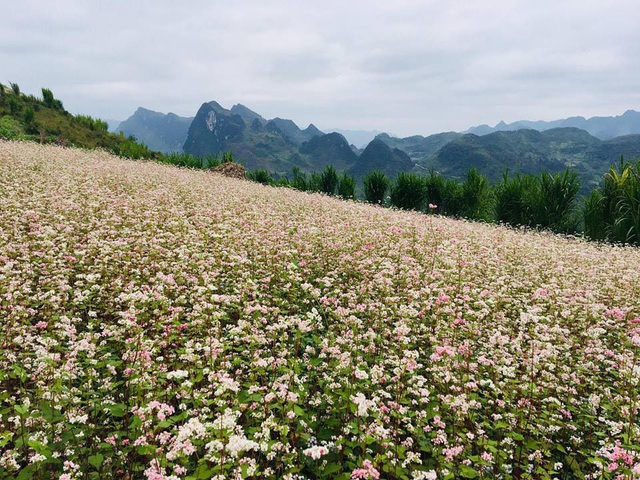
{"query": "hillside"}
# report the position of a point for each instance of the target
(531, 151)
(379, 156)
(45, 120)
(199, 325)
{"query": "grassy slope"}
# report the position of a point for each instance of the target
(270, 327)
(54, 124)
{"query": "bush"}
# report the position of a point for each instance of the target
(94, 124)
(514, 199)
(556, 202)
(612, 213)
(476, 196)
(409, 192)
(376, 185)
(329, 180)
(347, 187)
(261, 176)
(299, 181)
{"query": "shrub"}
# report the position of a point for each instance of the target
(409, 192)
(556, 201)
(613, 213)
(300, 181)
(376, 185)
(261, 176)
(347, 187)
(514, 198)
(329, 180)
(476, 196)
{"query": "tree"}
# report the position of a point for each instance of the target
(261, 176)
(347, 187)
(376, 185)
(556, 201)
(299, 181)
(329, 180)
(47, 98)
(476, 196)
(409, 192)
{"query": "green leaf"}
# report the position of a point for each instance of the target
(468, 472)
(517, 437)
(26, 473)
(332, 468)
(5, 437)
(117, 410)
(21, 410)
(96, 460)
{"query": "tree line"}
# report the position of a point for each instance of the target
(546, 201)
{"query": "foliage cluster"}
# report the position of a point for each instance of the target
(45, 120)
(612, 212)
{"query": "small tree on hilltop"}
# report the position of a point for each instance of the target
(47, 97)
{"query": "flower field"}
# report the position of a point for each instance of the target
(162, 323)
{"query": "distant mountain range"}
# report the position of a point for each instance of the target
(588, 145)
(603, 128)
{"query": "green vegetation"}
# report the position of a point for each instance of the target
(612, 212)
(25, 117)
(347, 187)
(376, 185)
(409, 192)
(329, 180)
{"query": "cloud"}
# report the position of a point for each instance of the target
(403, 66)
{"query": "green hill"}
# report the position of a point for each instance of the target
(531, 151)
(45, 120)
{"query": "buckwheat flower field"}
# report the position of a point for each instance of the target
(162, 323)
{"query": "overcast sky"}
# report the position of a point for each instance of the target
(402, 66)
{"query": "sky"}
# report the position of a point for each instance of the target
(401, 66)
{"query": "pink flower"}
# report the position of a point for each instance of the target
(367, 471)
(432, 206)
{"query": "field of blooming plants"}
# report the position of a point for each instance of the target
(163, 323)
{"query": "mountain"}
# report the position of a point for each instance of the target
(358, 138)
(291, 131)
(330, 149)
(249, 116)
(160, 132)
(532, 151)
(603, 128)
(379, 156)
(417, 146)
(279, 144)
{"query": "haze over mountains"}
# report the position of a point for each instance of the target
(588, 145)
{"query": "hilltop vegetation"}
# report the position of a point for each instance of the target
(45, 120)
(170, 324)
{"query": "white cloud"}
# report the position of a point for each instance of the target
(403, 66)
